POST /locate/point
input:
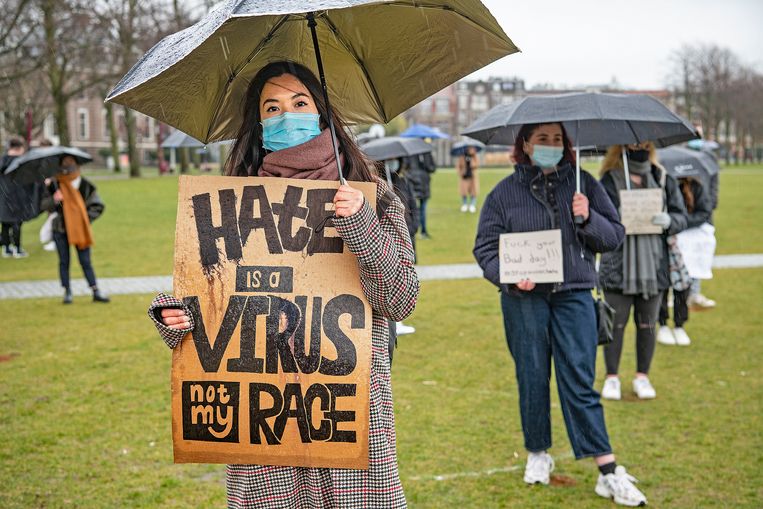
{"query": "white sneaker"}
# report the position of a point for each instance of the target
(665, 336)
(464, 207)
(472, 208)
(611, 389)
(682, 338)
(401, 329)
(619, 486)
(699, 302)
(539, 467)
(643, 388)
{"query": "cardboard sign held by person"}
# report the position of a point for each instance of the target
(277, 368)
(536, 256)
(697, 246)
(638, 207)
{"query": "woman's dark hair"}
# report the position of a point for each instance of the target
(246, 156)
(524, 134)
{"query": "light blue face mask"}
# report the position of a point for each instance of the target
(547, 157)
(289, 130)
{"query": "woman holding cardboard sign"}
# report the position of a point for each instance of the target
(285, 134)
(637, 274)
(555, 319)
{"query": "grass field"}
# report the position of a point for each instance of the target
(84, 389)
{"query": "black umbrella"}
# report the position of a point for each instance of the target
(393, 147)
(595, 119)
(41, 163)
(685, 162)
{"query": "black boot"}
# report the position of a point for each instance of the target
(67, 296)
(98, 296)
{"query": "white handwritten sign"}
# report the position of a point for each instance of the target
(637, 208)
(536, 256)
(697, 246)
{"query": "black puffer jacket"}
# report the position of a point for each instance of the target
(611, 268)
(17, 203)
(90, 196)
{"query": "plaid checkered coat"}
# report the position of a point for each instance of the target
(385, 256)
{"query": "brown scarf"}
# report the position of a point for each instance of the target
(76, 222)
(312, 160)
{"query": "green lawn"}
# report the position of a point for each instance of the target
(84, 389)
(135, 235)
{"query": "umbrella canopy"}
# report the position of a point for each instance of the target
(380, 58)
(179, 139)
(589, 118)
(395, 146)
(685, 162)
(423, 131)
(459, 148)
(41, 163)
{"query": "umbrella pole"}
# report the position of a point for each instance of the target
(625, 168)
(312, 24)
(578, 219)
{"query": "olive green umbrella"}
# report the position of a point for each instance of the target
(381, 57)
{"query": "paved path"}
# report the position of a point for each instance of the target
(155, 284)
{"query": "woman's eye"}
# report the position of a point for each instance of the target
(301, 104)
(271, 109)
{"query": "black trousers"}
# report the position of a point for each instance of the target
(645, 317)
(680, 307)
(62, 246)
(10, 234)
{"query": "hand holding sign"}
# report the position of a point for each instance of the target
(347, 201)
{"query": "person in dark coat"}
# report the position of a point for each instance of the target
(420, 175)
(638, 273)
(76, 203)
(18, 203)
(545, 321)
(699, 210)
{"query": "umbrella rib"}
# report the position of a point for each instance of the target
(360, 63)
(238, 71)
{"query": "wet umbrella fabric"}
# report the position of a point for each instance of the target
(594, 119)
(394, 147)
(380, 58)
(41, 163)
(459, 148)
(423, 131)
(685, 162)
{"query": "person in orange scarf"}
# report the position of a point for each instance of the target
(76, 204)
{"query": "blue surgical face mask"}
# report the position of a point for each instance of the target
(289, 130)
(547, 157)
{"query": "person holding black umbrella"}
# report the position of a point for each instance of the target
(545, 321)
(285, 133)
(16, 203)
(76, 203)
(637, 274)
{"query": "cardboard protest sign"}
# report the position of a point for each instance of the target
(536, 256)
(637, 208)
(697, 246)
(277, 368)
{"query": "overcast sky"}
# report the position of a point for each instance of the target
(578, 42)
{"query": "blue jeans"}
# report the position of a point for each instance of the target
(423, 215)
(562, 325)
(62, 246)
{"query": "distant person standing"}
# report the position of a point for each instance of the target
(77, 203)
(18, 203)
(420, 176)
(637, 273)
(699, 209)
(469, 182)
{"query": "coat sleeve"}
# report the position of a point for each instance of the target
(385, 256)
(603, 231)
(47, 202)
(714, 184)
(675, 206)
(171, 337)
(492, 224)
(94, 205)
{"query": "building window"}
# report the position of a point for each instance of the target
(150, 128)
(479, 102)
(83, 124)
(105, 124)
(442, 106)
